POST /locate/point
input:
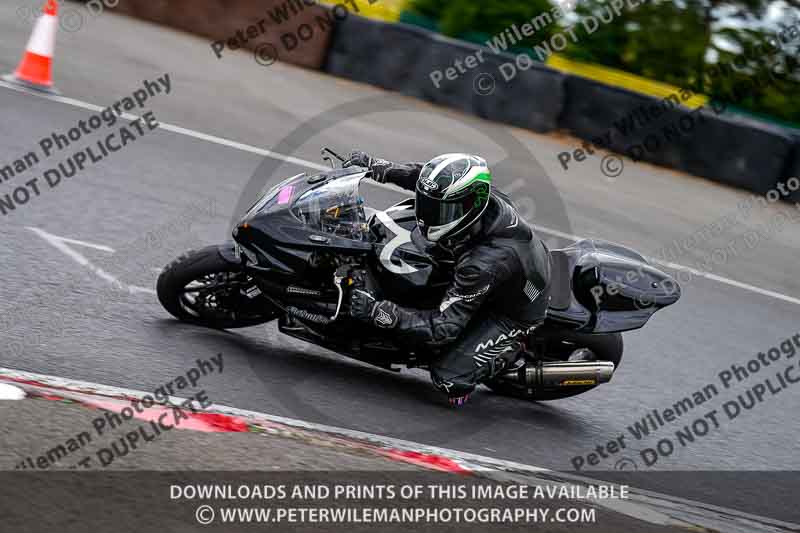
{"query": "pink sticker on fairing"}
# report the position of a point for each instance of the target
(285, 195)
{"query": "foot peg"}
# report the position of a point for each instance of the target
(581, 356)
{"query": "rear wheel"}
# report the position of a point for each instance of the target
(559, 345)
(201, 287)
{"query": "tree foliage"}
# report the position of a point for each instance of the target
(477, 20)
(714, 47)
(717, 47)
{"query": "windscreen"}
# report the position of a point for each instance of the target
(279, 195)
(336, 208)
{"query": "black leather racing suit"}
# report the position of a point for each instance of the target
(499, 292)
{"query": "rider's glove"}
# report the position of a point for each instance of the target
(362, 303)
(359, 159)
(377, 166)
(365, 304)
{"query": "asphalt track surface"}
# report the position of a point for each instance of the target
(155, 185)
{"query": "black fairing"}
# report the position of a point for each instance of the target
(276, 242)
(601, 287)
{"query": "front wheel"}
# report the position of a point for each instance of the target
(201, 287)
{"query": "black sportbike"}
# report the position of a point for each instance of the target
(294, 250)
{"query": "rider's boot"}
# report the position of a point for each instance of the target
(457, 401)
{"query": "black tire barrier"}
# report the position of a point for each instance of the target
(401, 58)
(436, 52)
(735, 151)
(793, 169)
(532, 99)
(356, 53)
(740, 152)
(609, 117)
(592, 109)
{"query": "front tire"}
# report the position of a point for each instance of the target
(203, 288)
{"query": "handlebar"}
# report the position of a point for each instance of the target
(327, 158)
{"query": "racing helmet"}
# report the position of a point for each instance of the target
(452, 193)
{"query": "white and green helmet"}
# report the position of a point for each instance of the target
(452, 193)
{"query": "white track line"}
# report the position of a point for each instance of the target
(173, 128)
(59, 244)
(648, 506)
(310, 164)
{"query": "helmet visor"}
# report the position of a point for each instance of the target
(439, 218)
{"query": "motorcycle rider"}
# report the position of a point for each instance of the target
(500, 285)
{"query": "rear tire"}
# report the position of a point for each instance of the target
(217, 303)
(559, 344)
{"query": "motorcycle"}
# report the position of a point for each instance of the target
(294, 251)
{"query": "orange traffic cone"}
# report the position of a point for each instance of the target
(35, 69)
